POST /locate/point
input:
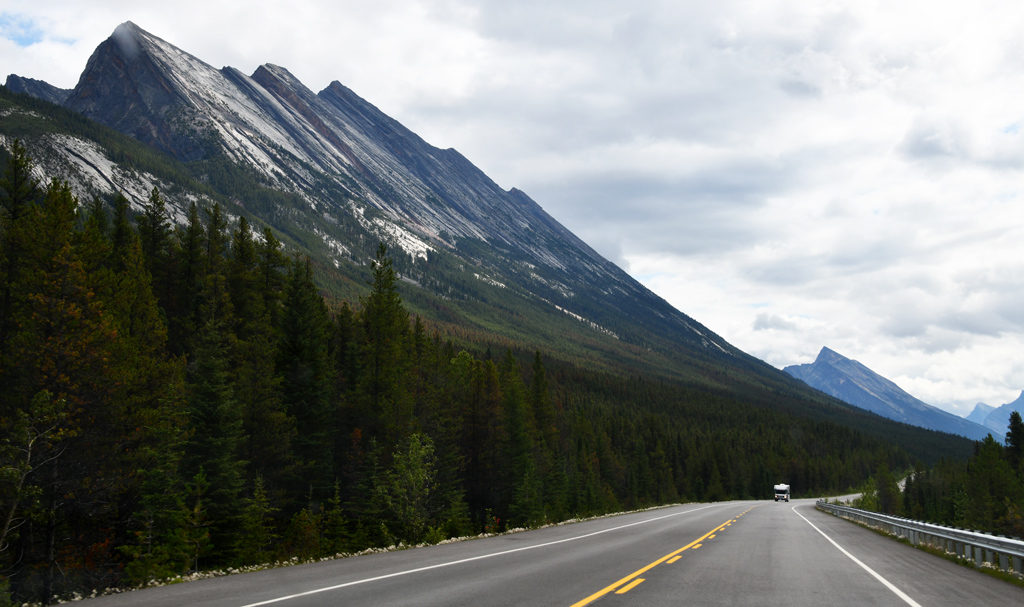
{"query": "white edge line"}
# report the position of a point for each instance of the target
(470, 559)
(878, 577)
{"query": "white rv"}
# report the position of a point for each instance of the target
(782, 492)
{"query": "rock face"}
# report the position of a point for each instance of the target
(36, 88)
(351, 165)
(852, 382)
(271, 123)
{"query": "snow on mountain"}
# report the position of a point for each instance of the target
(346, 159)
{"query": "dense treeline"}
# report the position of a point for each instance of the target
(183, 397)
(985, 493)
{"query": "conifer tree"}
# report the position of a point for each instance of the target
(271, 275)
(268, 429)
(183, 309)
(154, 228)
(407, 490)
(122, 231)
(520, 468)
(216, 420)
(304, 366)
(336, 537)
(18, 190)
(256, 538)
(1015, 442)
(385, 328)
(63, 345)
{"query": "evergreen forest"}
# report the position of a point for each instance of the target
(181, 398)
(984, 493)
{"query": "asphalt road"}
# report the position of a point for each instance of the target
(730, 553)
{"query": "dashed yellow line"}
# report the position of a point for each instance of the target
(629, 582)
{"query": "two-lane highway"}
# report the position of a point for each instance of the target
(731, 553)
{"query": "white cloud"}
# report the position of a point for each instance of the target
(791, 174)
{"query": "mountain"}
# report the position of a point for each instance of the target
(352, 176)
(36, 88)
(997, 419)
(852, 382)
(980, 412)
(333, 176)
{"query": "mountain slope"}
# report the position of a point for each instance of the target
(367, 178)
(852, 382)
(997, 419)
(980, 412)
(333, 176)
(37, 88)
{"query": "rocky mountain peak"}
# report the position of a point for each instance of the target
(829, 356)
(132, 82)
(128, 38)
(364, 177)
(36, 88)
(856, 384)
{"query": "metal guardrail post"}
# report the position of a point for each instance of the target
(1004, 553)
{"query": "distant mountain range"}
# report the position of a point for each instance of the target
(852, 382)
(997, 419)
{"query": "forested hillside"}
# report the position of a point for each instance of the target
(183, 398)
(986, 492)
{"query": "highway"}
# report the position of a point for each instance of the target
(729, 553)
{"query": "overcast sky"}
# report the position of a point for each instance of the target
(791, 174)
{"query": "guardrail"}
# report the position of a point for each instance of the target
(983, 549)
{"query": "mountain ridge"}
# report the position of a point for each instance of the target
(854, 383)
(474, 256)
(352, 162)
(997, 419)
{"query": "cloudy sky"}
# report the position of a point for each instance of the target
(792, 174)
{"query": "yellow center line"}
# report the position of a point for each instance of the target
(646, 568)
(630, 586)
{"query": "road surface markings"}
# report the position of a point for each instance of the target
(470, 559)
(671, 557)
(885, 582)
(630, 586)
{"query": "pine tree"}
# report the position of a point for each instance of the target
(154, 228)
(152, 430)
(1015, 442)
(183, 309)
(18, 190)
(385, 329)
(268, 429)
(304, 366)
(216, 417)
(407, 490)
(256, 539)
(63, 345)
(520, 470)
(122, 232)
(336, 537)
